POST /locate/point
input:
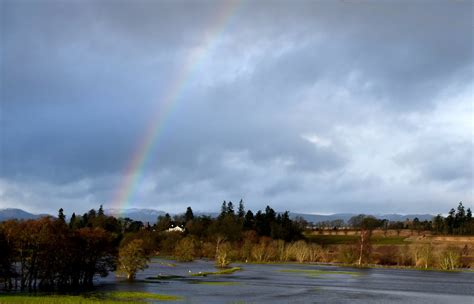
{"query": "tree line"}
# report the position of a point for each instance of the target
(47, 253)
(53, 253)
(458, 222)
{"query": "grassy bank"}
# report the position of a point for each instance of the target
(117, 297)
(406, 250)
(325, 240)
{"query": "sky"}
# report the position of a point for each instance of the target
(308, 106)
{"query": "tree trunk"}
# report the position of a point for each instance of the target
(361, 247)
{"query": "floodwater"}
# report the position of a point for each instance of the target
(299, 283)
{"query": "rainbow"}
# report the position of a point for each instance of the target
(146, 146)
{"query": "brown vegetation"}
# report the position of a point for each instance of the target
(51, 253)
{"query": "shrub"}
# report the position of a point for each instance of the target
(450, 258)
(208, 250)
(300, 251)
(223, 252)
(405, 256)
(347, 254)
(423, 254)
(185, 250)
(132, 258)
(387, 255)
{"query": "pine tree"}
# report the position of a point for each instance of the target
(249, 221)
(92, 214)
(450, 221)
(163, 222)
(438, 224)
(72, 221)
(61, 215)
(230, 209)
(188, 216)
(101, 211)
(241, 212)
(223, 209)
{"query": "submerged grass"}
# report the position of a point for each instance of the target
(137, 295)
(316, 272)
(223, 271)
(168, 264)
(116, 297)
(22, 299)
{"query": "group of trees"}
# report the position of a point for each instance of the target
(459, 221)
(55, 253)
(232, 234)
(48, 253)
(222, 236)
(231, 224)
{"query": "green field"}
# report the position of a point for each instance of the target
(118, 297)
(223, 271)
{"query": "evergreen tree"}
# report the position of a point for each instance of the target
(460, 219)
(438, 224)
(469, 222)
(72, 221)
(61, 215)
(163, 223)
(249, 221)
(91, 215)
(230, 209)
(450, 221)
(188, 216)
(241, 212)
(223, 209)
(270, 214)
(261, 224)
(101, 211)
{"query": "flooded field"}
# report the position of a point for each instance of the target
(296, 283)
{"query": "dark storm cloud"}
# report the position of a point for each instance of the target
(309, 102)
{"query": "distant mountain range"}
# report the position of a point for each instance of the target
(144, 215)
(316, 218)
(151, 215)
(13, 213)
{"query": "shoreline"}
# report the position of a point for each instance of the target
(334, 264)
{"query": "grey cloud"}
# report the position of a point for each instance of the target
(443, 162)
(82, 81)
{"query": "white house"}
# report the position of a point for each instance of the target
(175, 229)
